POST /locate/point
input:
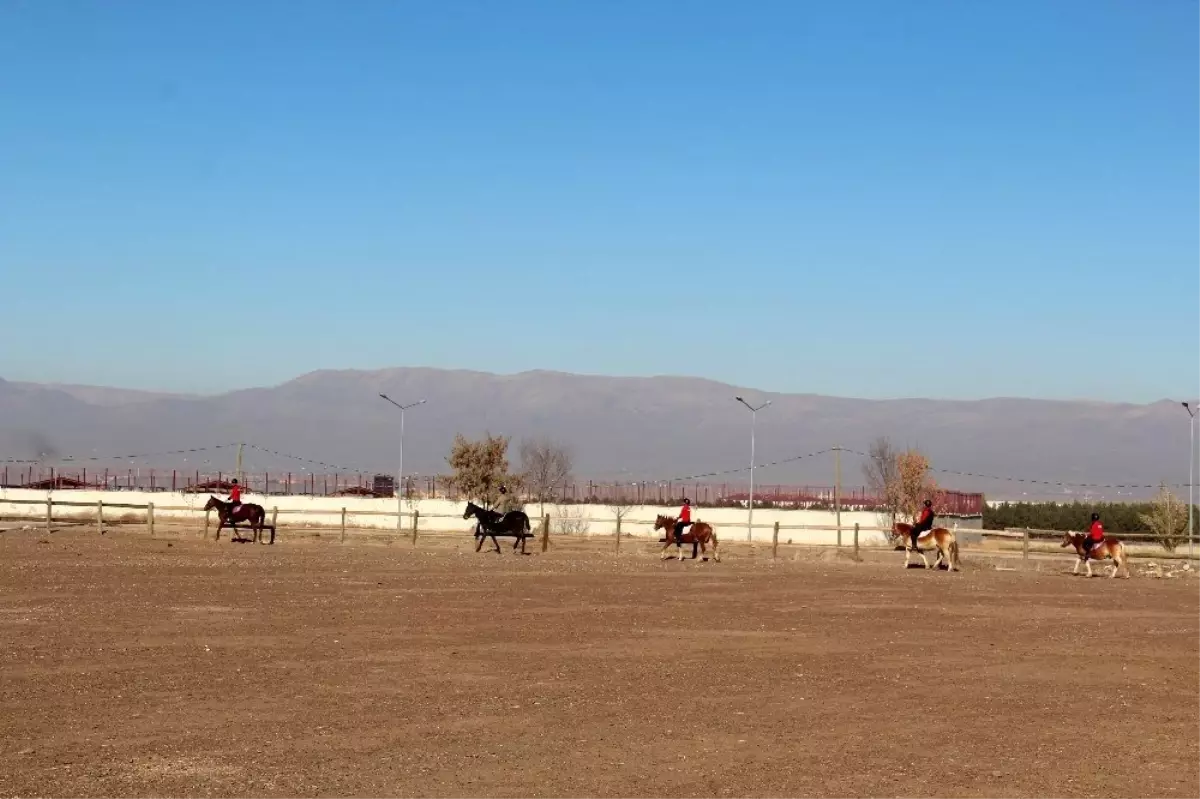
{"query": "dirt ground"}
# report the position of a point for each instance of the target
(133, 666)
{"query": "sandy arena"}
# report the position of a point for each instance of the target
(134, 666)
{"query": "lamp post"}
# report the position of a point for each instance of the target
(753, 423)
(1191, 467)
(400, 471)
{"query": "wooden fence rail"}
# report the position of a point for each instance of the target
(155, 516)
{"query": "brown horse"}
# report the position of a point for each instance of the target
(1108, 549)
(699, 533)
(245, 512)
(939, 537)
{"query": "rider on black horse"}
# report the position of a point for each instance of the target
(235, 497)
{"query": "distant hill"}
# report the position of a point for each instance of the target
(619, 428)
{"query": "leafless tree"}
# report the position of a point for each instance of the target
(882, 474)
(545, 469)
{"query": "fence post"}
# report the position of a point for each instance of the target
(49, 512)
(545, 532)
(399, 519)
(618, 545)
(1025, 545)
(150, 518)
(207, 514)
(343, 524)
(100, 516)
(856, 541)
(775, 542)
(274, 516)
(416, 515)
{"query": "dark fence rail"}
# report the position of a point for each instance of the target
(440, 487)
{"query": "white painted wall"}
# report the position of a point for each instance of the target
(440, 515)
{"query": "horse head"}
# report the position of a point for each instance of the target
(1070, 539)
(663, 522)
(214, 504)
(472, 510)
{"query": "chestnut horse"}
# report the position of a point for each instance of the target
(939, 537)
(245, 512)
(1108, 549)
(699, 533)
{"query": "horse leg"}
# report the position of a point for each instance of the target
(1088, 563)
(496, 543)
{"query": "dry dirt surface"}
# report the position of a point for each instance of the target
(133, 666)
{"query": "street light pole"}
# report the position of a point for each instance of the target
(1191, 467)
(753, 424)
(400, 471)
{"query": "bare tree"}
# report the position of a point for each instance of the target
(621, 506)
(545, 469)
(883, 477)
(1167, 519)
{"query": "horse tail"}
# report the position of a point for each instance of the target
(954, 561)
(527, 525)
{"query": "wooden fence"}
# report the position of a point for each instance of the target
(103, 514)
(408, 525)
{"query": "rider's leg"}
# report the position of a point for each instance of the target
(679, 533)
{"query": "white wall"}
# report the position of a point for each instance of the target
(440, 515)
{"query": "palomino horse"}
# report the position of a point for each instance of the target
(246, 512)
(1108, 549)
(699, 533)
(939, 537)
(491, 523)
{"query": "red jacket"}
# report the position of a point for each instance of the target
(685, 513)
(235, 494)
(1097, 531)
(926, 515)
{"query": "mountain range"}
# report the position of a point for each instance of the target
(655, 428)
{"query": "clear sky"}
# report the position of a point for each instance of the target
(953, 199)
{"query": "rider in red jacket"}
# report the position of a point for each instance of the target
(1094, 537)
(685, 520)
(235, 495)
(924, 523)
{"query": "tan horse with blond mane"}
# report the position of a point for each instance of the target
(939, 537)
(699, 533)
(1108, 549)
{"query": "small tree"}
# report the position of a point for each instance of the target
(621, 505)
(481, 468)
(1167, 519)
(912, 484)
(545, 469)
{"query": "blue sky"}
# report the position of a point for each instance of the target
(857, 198)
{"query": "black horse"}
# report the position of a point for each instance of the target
(489, 523)
(245, 512)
